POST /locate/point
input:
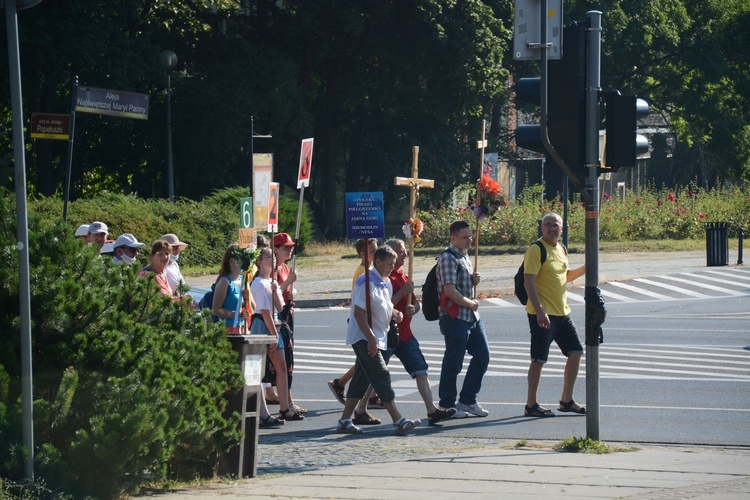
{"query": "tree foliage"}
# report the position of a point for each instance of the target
(367, 80)
(125, 380)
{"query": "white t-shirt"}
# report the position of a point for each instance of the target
(381, 306)
(261, 290)
(174, 275)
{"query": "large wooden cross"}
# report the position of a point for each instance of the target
(415, 183)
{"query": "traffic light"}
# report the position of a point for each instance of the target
(623, 143)
(566, 110)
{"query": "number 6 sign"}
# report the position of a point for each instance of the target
(273, 207)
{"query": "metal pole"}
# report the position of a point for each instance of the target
(69, 169)
(593, 72)
(170, 166)
(24, 294)
(252, 157)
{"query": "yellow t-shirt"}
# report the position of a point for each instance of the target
(359, 272)
(551, 278)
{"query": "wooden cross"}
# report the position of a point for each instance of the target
(481, 145)
(415, 183)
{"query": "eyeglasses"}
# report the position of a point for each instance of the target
(551, 226)
(130, 250)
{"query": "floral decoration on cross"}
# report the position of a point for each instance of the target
(489, 196)
(413, 228)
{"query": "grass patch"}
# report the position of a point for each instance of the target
(588, 445)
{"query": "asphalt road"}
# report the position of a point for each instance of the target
(671, 371)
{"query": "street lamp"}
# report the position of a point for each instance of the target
(168, 59)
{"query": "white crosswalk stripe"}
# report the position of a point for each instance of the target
(733, 282)
(617, 361)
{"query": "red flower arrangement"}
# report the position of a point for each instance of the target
(489, 196)
(413, 228)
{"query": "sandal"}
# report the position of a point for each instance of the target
(291, 415)
(297, 409)
(365, 419)
(270, 421)
(404, 425)
(537, 411)
(374, 403)
(568, 407)
(347, 427)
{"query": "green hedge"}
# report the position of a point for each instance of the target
(651, 214)
(209, 226)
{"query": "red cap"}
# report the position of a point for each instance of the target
(283, 240)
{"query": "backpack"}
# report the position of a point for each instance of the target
(207, 301)
(518, 281)
(430, 295)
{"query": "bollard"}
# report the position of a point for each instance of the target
(717, 243)
(741, 241)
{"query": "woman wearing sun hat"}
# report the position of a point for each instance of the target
(174, 275)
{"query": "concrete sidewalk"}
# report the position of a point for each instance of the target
(503, 471)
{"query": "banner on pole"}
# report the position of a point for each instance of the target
(273, 207)
(305, 163)
(364, 215)
(262, 177)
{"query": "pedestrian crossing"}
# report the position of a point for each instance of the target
(511, 359)
(728, 282)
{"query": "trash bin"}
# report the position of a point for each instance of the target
(717, 243)
(241, 460)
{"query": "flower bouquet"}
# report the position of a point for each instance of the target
(413, 228)
(245, 257)
(489, 196)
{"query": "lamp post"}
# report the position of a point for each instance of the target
(169, 60)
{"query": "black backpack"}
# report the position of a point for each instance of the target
(430, 294)
(520, 288)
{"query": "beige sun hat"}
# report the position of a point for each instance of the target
(173, 240)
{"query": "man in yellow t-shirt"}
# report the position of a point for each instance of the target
(549, 315)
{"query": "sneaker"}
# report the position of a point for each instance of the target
(337, 390)
(440, 414)
(404, 425)
(459, 414)
(365, 419)
(347, 427)
(474, 409)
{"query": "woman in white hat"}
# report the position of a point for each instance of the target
(174, 275)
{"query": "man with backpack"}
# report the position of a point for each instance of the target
(461, 325)
(549, 315)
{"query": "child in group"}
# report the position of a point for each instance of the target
(268, 302)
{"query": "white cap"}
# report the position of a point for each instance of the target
(98, 227)
(108, 247)
(127, 240)
(82, 230)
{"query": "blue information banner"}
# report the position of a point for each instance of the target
(364, 215)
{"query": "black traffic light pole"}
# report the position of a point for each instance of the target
(543, 104)
(594, 303)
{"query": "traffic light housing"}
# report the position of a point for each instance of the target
(623, 143)
(566, 109)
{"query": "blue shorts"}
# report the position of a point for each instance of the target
(411, 357)
(561, 330)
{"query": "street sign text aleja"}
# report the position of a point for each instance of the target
(112, 102)
(364, 215)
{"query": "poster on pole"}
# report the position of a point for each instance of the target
(364, 215)
(305, 163)
(262, 177)
(273, 207)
